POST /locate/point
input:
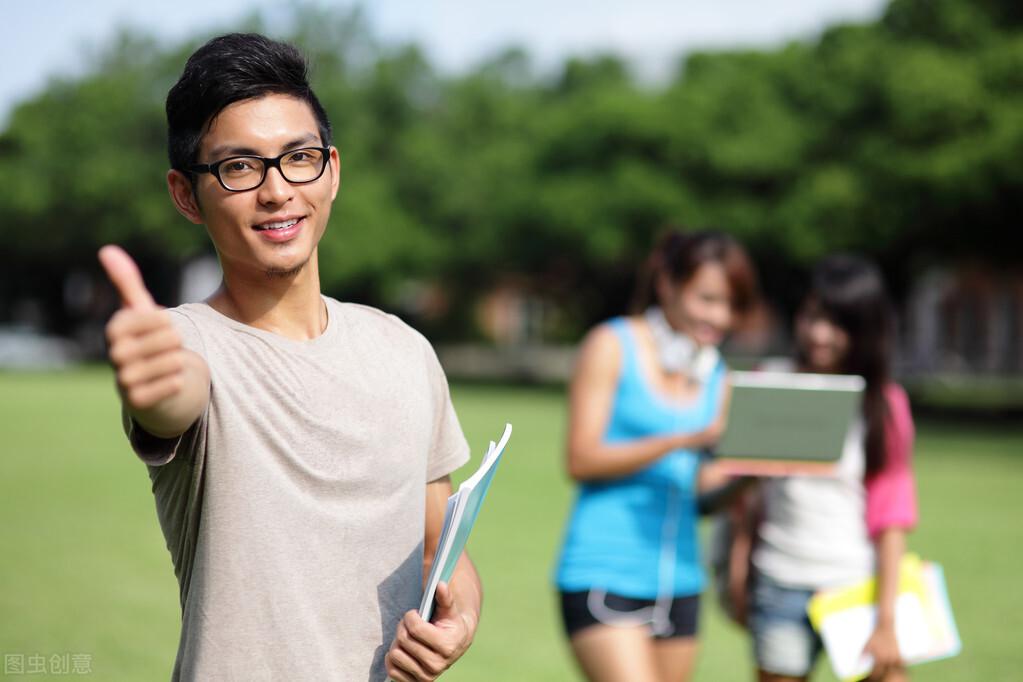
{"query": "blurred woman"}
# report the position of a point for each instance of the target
(646, 397)
(821, 532)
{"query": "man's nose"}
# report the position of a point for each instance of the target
(275, 189)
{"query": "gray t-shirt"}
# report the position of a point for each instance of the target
(293, 508)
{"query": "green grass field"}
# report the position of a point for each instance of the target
(83, 567)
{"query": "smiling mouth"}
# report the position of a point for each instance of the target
(282, 225)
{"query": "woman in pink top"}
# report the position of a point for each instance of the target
(821, 532)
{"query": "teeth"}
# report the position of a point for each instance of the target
(277, 226)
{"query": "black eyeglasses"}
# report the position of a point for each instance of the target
(242, 173)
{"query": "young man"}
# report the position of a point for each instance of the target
(299, 448)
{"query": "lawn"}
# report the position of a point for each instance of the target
(84, 569)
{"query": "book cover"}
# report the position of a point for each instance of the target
(924, 624)
(462, 509)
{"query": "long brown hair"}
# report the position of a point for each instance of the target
(850, 292)
(679, 255)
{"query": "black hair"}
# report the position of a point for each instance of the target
(228, 69)
(680, 254)
(849, 290)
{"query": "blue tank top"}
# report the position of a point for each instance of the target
(637, 535)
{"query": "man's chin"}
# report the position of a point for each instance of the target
(276, 272)
(280, 273)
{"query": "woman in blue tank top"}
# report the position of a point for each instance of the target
(645, 399)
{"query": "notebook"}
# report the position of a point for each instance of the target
(924, 625)
(462, 509)
(785, 423)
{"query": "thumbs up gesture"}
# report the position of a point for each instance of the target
(146, 351)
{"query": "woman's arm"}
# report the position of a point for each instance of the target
(891, 512)
(882, 645)
(591, 396)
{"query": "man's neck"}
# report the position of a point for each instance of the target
(287, 305)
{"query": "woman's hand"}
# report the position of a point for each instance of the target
(709, 437)
(883, 647)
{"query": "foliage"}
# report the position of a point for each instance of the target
(900, 138)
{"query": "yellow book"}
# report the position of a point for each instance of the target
(924, 625)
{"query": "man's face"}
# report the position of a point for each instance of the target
(238, 222)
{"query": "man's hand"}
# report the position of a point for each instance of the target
(144, 346)
(422, 651)
(154, 372)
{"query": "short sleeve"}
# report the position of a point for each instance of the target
(891, 492)
(448, 449)
(191, 339)
(151, 449)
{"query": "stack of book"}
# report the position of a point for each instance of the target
(462, 509)
(924, 624)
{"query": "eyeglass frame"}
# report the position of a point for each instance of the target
(268, 163)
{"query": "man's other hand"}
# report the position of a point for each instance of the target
(422, 651)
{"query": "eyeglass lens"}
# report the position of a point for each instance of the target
(246, 172)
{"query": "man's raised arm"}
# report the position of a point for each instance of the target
(163, 386)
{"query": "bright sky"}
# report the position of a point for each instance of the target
(50, 37)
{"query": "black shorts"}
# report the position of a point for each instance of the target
(591, 607)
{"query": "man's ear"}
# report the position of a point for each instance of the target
(182, 193)
(335, 172)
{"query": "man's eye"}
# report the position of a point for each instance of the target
(238, 166)
(302, 158)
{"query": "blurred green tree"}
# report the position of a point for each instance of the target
(901, 138)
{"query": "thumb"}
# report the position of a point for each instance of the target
(125, 277)
(444, 601)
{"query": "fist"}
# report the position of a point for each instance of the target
(144, 347)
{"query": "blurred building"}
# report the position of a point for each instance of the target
(967, 320)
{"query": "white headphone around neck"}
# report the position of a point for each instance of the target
(679, 353)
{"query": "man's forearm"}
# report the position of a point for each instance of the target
(173, 415)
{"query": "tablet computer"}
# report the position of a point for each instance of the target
(786, 423)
